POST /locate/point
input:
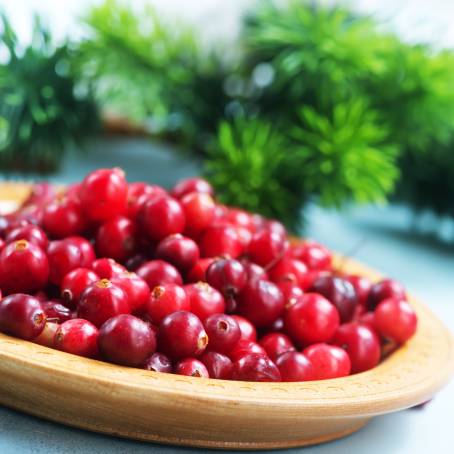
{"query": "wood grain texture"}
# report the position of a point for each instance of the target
(201, 412)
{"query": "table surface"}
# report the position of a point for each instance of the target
(380, 237)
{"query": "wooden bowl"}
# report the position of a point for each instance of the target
(209, 413)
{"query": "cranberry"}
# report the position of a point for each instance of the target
(101, 301)
(245, 237)
(74, 283)
(223, 332)
(180, 251)
(166, 299)
(63, 218)
(295, 366)
(192, 367)
(227, 275)
(291, 292)
(276, 227)
(157, 272)
(395, 319)
(23, 267)
(103, 194)
(267, 247)
(40, 194)
(204, 300)
(199, 211)
(181, 335)
(329, 361)
(64, 256)
(136, 261)
(288, 269)
(31, 233)
(368, 319)
(254, 271)
(244, 347)
(116, 239)
(218, 365)
(139, 193)
(47, 335)
(126, 340)
(240, 218)
(158, 362)
(275, 344)
(56, 311)
(313, 254)
(261, 302)
(362, 287)
(220, 239)
(197, 272)
(135, 288)
(189, 185)
(247, 329)
(361, 344)
(22, 316)
(107, 268)
(254, 367)
(77, 336)
(387, 288)
(313, 319)
(311, 276)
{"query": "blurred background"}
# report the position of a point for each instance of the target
(335, 117)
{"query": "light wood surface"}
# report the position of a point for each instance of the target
(201, 412)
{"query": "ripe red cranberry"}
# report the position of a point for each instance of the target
(103, 194)
(223, 333)
(135, 288)
(64, 256)
(267, 247)
(204, 300)
(288, 269)
(101, 301)
(86, 250)
(275, 344)
(362, 287)
(197, 272)
(77, 336)
(311, 276)
(31, 233)
(189, 185)
(46, 338)
(191, 367)
(227, 275)
(368, 319)
(240, 218)
(55, 311)
(313, 319)
(247, 329)
(254, 271)
(63, 218)
(261, 302)
(254, 367)
(395, 319)
(339, 292)
(126, 340)
(158, 362)
(329, 361)
(313, 254)
(245, 237)
(361, 344)
(220, 240)
(295, 366)
(220, 214)
(244, 347)
(387, 288)
(181, 335)
(116, 238)
(138, 194)
(180, 251)
(107, 268)
(40, 194)
(22, 316)
(218, 365)
(24, 267)
(275, 226)
(74, 283)
(158, 272)
(291, 292)
(2, 244)
(199, 211)
(164, 300)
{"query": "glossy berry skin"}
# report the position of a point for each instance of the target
(227, 275)
(267, 247)
(22, 316)
(31, 233)
(291, 292)
(101, 301)
(295, 366)
(275, 344)
(254, 367)
(218, 365)
(160, 217)
(24, 267)
(55, 311)
(361, 344)
(191, 367)
(74, 283)
(198, 271)
(261, 302)
(362, 287)
(64, 256)
(158, 362)
(395, 320)
(182, 335)
(158, 272)
(313, 254)
(189, 185)
(220, 240)
(387, 288)
(164, 300)
(138, 194)
(339, 292)
(46, 338)
(86, 250)
(103, 194)
(180, 251)
(77, 336)
(116, 238)
(63, 218)
(244, 347)
(313, 319)
(126, 340)
(135, 288)
(199, 211)
(223, 333)
(247, 329)
(329, 361)
(107, 268)
(288, 269)
(254, 271)
(204, 300)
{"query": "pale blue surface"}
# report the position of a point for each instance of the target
(424, 265)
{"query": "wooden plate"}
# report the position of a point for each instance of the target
(210, 413)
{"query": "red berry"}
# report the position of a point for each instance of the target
(267, 247)
(101, 301)
(180, 251)
(247, 329)
(63, 218)
(311, 276)
(244, 347)
(192, 367)
(157, 272)
(47, 335)
(181, 335)
(197, 272)
(22, 316)
(74, 283)
(189, 185)
(291, 292)
(227, 275)
(135, 288)
(138, 194)
(254, 367)
(288, 269)
(31, 233)
(275, 344)
(204, 300)
(254, 271)
(218, 365)
(368, 319)
(395, 319)
(86, 250)
(387, 288)
(126, 340)
(223, 333)
(199, 211)
(56, 311)
(275, 226)
(313, 254)
(116, 239)
(240, 218)
(313, 319)
(164, 300)
(329, 361)
(362, 287)
(158, 362)
(295, 366)
(220, 240)
(107, 268)
(77, 336)
(136, 261)
(64, 256)
(40, 194)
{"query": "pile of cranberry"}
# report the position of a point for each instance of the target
(176, 282)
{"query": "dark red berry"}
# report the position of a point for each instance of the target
(180, 251)
(313, 254)
(254, 367)
(362, 287)
(107, 268)
(288, 269)
(189, 185)
(218, 365)
(199, 211)
(291, 292)
(64, 256)
(275, 344)
(31, 233)
(197, 272)
(254, 271)
(55, 311)
(135, 288)
(116, 238)
(220, 240)
(387, 288)
(295, 366)
(158, 362)
(227, 275)
(77, 336)
(204, 300)
(329, 361)
(223, 333)
(63, 218)
(247, 329)
(244, 347)
(74, 283)
(267, 247)
(164, 300)
(138, 194)
(191, 367)
(86, 250)
(158, 272)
